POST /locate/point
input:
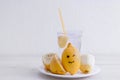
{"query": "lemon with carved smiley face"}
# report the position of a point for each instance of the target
(70, 59)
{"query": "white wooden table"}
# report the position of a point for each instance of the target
(26, 67)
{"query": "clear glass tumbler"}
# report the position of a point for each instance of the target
(74, 37)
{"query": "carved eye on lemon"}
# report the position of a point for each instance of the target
(56, 66)
(87, 63)
(71, 59)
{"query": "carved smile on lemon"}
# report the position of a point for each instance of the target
(70, 59)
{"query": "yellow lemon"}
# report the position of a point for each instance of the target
(87, 63)
(85, 68)
(56, 66)
(71, 59)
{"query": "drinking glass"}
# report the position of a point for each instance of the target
(74, 37)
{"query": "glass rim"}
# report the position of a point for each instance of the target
(76, 33)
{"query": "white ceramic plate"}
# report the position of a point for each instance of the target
(95, 70)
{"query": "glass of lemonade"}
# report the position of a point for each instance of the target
(74, 37)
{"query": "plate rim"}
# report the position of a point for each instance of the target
(42, 70)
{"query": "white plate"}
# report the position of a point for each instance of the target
(95, 70)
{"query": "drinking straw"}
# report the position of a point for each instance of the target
(62, 22)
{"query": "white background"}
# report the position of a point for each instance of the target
(30, 26)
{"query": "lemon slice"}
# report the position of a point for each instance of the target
(62, 41)
(56, 66)
(47, 60)
(87, 63)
